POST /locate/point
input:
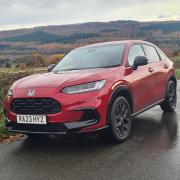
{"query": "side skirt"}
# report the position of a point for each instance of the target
(146, 108)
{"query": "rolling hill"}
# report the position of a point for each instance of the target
(43, 37)
(62, 38)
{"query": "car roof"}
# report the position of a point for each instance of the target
(126, 42)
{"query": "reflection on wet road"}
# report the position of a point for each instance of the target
(151, 152)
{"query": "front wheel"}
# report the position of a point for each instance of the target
(120, 122)
(170, 101)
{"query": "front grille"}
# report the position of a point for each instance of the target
(35, 106)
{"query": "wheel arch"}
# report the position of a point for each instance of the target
(173, 78)
(121, 90)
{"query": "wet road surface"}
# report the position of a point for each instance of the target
(151, 152)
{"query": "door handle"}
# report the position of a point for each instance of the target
(166, 66)
(150, 69)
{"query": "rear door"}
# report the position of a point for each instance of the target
(163, 67)
(157, 67)
(143, 80)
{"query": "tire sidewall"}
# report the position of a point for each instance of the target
(167, 94)
(112, 129)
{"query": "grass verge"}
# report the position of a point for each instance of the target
(7, 77)
(3, 131)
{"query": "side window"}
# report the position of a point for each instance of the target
(161, 54)
(151, 53)
(135, 50)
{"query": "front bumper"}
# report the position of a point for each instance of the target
(56, 128)
(90, 117)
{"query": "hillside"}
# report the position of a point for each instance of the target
(72, 28)
(166, 27)
(62, 38)
(44, 37)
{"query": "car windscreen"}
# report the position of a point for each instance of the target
(92, 57)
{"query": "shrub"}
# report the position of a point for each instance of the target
(22, 66)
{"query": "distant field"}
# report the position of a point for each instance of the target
(17, 70)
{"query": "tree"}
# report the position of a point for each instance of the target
(8, 65)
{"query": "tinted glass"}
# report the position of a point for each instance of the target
(135, 50)
(92, 57)
(151, 53)
(161, 54)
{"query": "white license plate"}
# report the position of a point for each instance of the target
(31, 119)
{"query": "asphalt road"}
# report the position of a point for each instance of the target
(151, 152)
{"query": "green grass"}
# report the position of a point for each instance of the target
(3, 131)
(178, 74)
(175, 58)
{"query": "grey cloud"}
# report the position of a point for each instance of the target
(32, 3)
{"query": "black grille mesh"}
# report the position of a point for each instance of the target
(35, 106)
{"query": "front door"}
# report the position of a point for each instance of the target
(143, 81)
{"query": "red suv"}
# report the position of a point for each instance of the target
(96, 87)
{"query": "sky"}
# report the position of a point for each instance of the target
(15, 14)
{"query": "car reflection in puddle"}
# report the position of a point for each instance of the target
(156, 134)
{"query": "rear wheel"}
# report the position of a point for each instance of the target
(170, 101)
(120, 120)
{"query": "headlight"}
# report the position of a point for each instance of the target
(82, 88)
(10, 92)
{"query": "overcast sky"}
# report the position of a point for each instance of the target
(30, 13)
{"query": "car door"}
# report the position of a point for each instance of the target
(143, 80)
(163, 67)
(158, 68)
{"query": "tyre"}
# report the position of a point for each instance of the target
(120, 121)
(170, 101)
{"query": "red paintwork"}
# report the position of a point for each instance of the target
(146, 88)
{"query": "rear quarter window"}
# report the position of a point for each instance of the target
(161, 54)
(151, 53)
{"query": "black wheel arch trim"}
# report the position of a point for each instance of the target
(173, 77)
(117, 90)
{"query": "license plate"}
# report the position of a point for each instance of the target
(31, 119)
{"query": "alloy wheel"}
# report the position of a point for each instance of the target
(121, 118)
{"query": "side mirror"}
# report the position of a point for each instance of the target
(140, 61)
(51, 67)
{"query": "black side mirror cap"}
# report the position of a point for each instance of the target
(51, 67)
(140, 61)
